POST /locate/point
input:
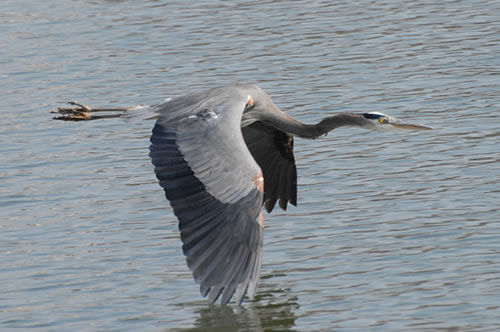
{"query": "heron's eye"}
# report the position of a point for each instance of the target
(383, 120)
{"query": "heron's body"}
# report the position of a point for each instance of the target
(220, 155)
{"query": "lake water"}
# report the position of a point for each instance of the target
(393, 231)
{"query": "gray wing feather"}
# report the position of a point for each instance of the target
(206, 170)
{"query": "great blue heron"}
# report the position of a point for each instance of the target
(220, 155)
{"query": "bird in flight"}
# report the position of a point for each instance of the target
(221, 155)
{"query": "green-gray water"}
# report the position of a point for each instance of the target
(393, 231)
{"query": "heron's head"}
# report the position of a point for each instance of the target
(380, 121)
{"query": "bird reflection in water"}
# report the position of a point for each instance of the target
(272, 309)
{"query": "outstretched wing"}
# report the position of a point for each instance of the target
(215, 189)
(272, 149)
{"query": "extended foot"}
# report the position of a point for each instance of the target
(80, 112)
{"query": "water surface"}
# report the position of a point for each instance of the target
(394, 231)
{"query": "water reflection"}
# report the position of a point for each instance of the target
(273, 309)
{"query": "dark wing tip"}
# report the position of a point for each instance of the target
(269, 204)
(272, 149)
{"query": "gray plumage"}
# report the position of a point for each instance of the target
(211, 150)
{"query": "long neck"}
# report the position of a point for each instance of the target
(340, 120)
(294, 127)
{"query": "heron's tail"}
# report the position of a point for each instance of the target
(140, 112)
(143, 112)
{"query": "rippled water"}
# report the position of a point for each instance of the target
(394, 231)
